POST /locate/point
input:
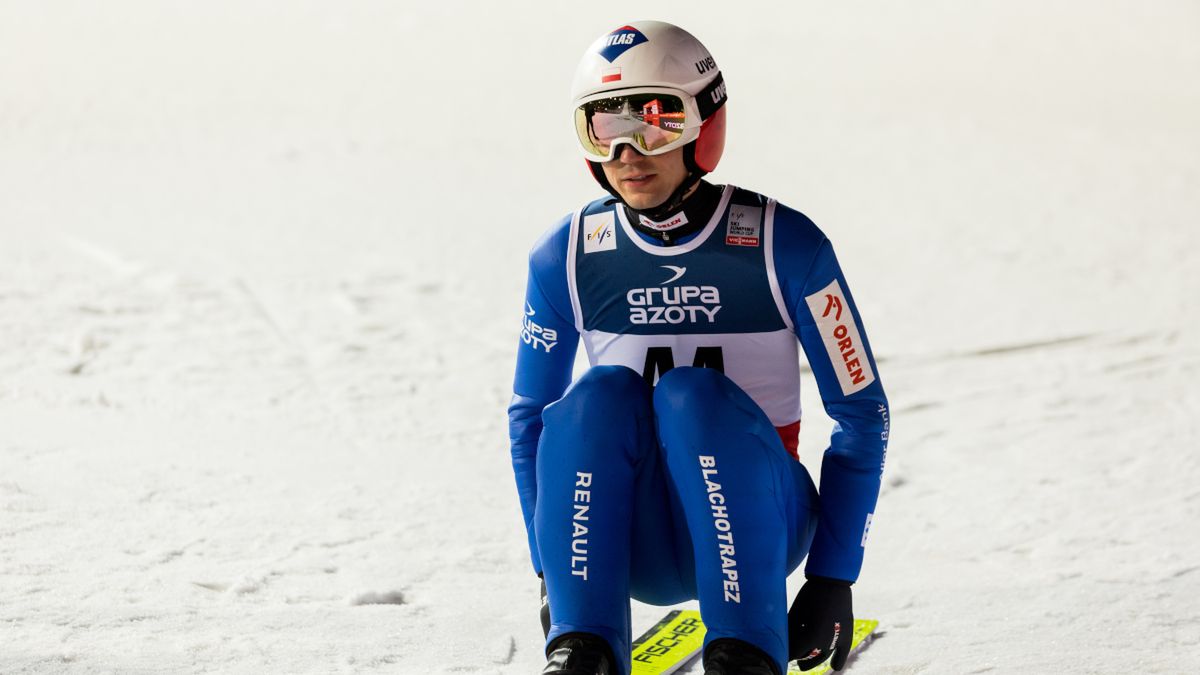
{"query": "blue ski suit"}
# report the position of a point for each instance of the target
(668, 470)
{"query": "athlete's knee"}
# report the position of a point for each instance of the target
(608, 390)
(601, 395)
(605, 409)
(692, 390)
(612, 377)
(699, 405)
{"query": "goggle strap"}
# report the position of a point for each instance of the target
(711, 98)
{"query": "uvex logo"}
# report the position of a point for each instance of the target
(718, 94)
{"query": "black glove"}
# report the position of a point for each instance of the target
(821, 622)
(545, 611)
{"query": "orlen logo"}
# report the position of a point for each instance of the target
(534, 335)
(673, 304)
(842, 340)
(617, 42)
(678, 220)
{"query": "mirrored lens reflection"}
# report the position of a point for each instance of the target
(653, 121)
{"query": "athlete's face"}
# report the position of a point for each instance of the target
(645, 182)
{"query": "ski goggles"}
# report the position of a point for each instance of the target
(654, 122)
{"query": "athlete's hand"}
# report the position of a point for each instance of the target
(545, 611)
(821, 622)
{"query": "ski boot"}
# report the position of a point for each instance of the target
(579, 654)
(727, 656)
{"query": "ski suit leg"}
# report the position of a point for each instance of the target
(662, 569)
(750, 507)
(596, 452)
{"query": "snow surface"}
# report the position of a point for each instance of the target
(261, 268)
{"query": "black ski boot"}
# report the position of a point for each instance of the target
(579, 654)
(727, 656)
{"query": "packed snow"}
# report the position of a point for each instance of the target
(261, 270)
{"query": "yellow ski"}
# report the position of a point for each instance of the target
(672, 642)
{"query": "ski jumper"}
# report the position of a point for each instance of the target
(668, 470)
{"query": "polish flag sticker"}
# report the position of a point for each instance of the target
(610, 75)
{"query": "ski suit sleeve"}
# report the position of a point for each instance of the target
(545, 355)
(835, 343)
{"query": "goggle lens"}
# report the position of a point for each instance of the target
(650, 121)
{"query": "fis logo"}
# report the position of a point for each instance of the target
(842, 340)
(534, 335)
(674, 304)
(598, 234)
(619, 41)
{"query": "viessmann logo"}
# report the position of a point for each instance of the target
(674, 305)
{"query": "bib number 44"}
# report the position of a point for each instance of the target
(661, 359)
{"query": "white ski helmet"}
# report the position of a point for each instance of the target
(662, 89)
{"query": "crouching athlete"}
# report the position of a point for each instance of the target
(668, 471)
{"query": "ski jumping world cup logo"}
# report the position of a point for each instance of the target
(619, 41)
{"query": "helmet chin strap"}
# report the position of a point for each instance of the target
(674, 201)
